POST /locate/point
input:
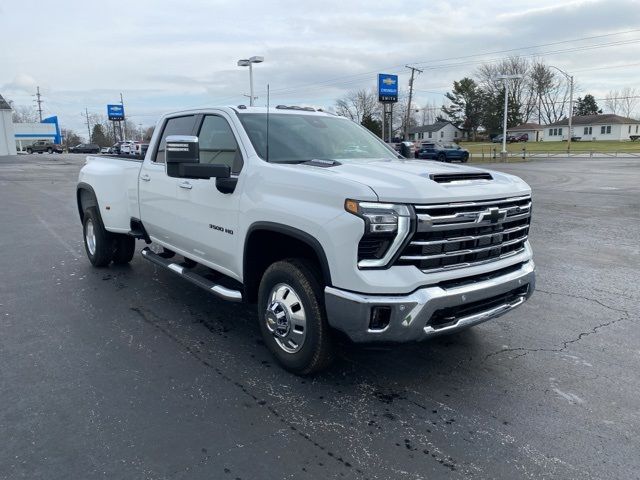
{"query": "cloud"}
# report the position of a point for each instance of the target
(162, 56)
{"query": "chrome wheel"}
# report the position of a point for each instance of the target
(90, 237)
(285, 318)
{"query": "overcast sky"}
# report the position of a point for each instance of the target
(168, 55)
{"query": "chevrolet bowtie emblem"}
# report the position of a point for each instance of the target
(389, 81)
(493, 214)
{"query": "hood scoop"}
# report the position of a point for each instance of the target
(459, 177)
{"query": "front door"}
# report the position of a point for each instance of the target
(210, 215)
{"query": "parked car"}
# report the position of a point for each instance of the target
(85, 148)
(447, 152)
(523, 137)
(321, 236)
(105, 150)
(41, 146)
(498, 139)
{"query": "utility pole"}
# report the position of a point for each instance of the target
(406, 124)
(86, 115)
(39, 101)
(570, 114)
(123, 134)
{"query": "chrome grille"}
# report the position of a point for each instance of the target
(457, 235)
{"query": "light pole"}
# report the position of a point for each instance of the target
(249, 63)
(505, 79)
(570, 78)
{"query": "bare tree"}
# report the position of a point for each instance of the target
(550, 92)
(628, 101)
(429, 112)
(521, 96)
(22, 114)
(359, 104)
(612, 101)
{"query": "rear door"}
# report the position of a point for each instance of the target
(159, 208)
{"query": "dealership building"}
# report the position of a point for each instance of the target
(18, 136)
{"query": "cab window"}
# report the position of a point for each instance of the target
(218, 143)
(174, 126)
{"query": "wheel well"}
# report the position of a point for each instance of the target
(86, 198)
(266, 246)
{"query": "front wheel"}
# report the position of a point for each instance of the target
(292, 317)
(29, 151)
(465, 158)
(49, 151)
(442, 157)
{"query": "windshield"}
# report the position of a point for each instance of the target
(299, 138)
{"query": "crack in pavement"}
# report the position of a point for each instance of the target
(566, 343)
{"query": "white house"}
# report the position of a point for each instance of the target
(441, 131)
(593, 127)
(533, 130)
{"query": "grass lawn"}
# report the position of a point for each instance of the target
(477, 148)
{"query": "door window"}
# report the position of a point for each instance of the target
(218, 144)
(174, 126)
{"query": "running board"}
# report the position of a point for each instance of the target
(218, 290)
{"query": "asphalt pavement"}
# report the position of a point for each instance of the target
(130, 372)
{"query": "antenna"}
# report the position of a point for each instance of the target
(39, 101)
(267, 122)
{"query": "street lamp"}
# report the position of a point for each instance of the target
(506, 79)
(570, 78)
(249, 63)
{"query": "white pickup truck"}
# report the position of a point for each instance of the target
(316, 220)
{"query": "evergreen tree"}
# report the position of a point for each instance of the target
(372, 124)
(98, 136)
(587, 106)
(466, 100)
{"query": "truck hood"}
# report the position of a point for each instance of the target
(408, 181)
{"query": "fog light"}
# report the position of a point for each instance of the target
(380, 317)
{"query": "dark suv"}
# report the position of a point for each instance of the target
(85, 148)
(447, 152)
(41, 146)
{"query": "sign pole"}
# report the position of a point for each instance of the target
(384, 114)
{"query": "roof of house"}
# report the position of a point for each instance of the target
(3, 104)
(526, 127)
(597, 119)
(434, 127)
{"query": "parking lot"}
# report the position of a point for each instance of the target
(130, 372)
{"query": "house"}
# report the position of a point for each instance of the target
(533, 130)
(593, 127)
(441, 131)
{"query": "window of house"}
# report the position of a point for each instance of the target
(636, 128)
(587, 130)
(629, 128)
(174, 126)
(455, 134)
(551, 132)
(605, 129)
(559, 131)
(608, 128)
(441, 134)
(430, 134)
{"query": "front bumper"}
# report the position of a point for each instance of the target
(429, 311)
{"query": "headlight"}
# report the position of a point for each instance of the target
(386, 226)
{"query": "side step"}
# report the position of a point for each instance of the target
(199, 280)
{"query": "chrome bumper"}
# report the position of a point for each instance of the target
(413, 317)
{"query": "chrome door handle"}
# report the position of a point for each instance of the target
(145, 178)
(186, 185)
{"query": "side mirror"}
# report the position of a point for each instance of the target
(182, 154)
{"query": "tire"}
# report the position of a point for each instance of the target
(465, 158)
(29, 151)
(303, 346)
(49, 151)
(98, 243)
(441, 157)
(124, 246)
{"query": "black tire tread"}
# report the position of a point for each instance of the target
(104, 241)
(124, 248)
